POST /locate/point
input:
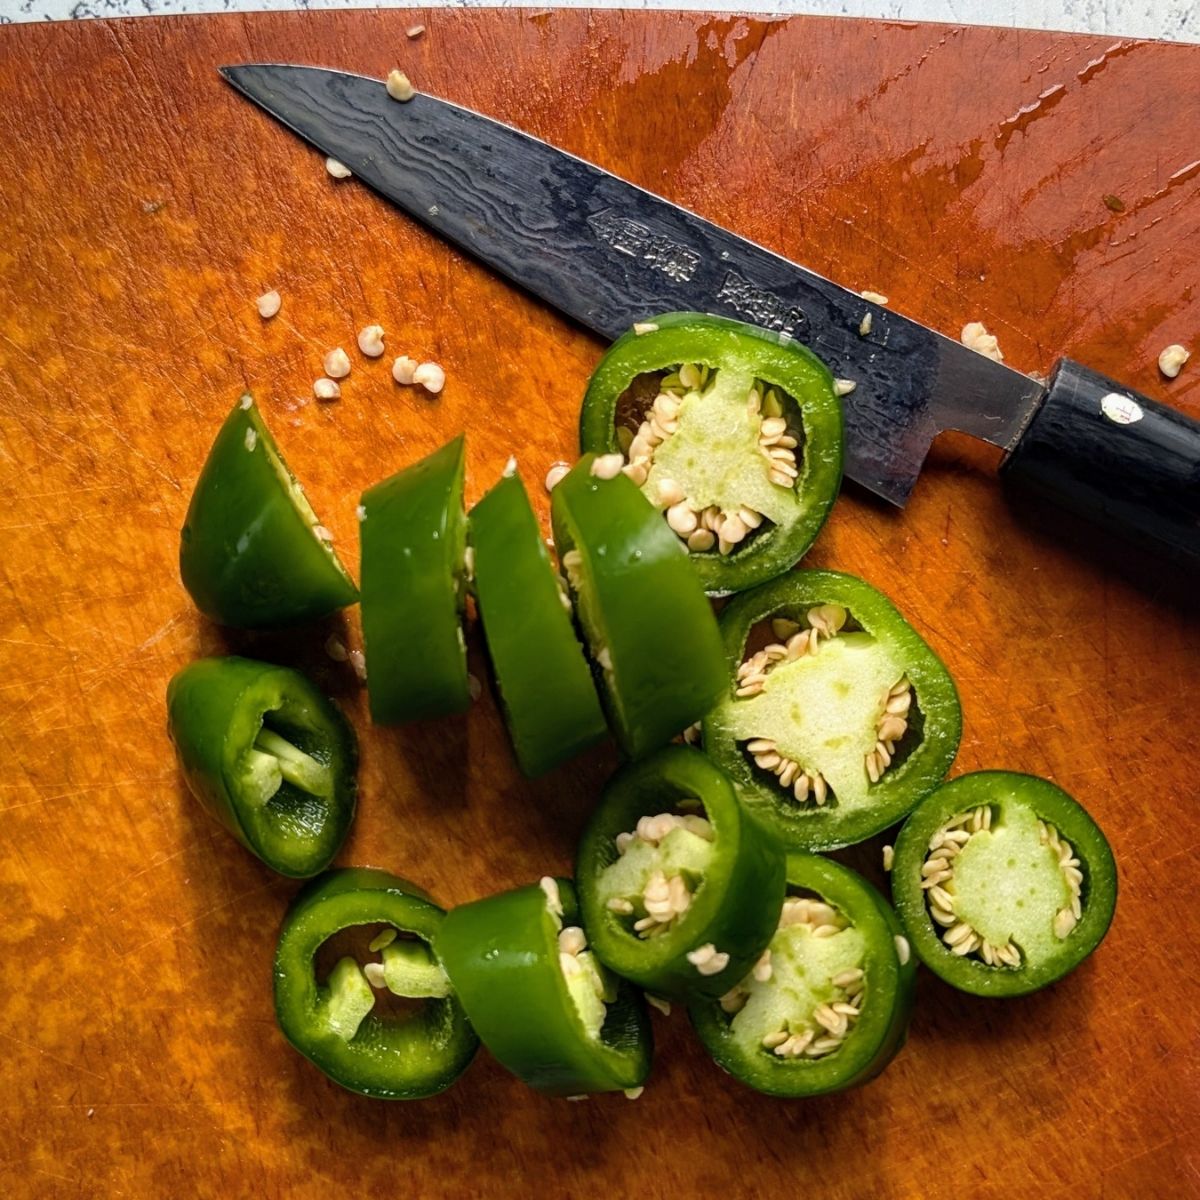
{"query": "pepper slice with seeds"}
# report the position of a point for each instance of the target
(826, 1007)
(545, 686)
(414, 589)
(646, 621)
(252, 553)
(838, 717)
(267, 755)
(341, 1024)
(1003, 882)
(680, 889)
(538, 998)
(734, 432)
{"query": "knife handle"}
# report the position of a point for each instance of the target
(1116, 458)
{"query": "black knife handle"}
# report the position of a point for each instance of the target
(1122, 461)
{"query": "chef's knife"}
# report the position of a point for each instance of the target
(607, 254)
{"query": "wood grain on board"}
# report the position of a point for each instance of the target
(1044, 184)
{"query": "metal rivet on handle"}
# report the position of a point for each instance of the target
(1121, 410)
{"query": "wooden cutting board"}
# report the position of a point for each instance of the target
(1044, 184)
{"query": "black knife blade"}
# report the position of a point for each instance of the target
(607, 254)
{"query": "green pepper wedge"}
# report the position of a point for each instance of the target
(413, 535)
(646, 621)
(333, 1023)
(267, 755)
(1004, 883)
(545, 686)
(842, 722)
(680, 890)
(252, 553)
(535, 995)
(828, 1008)
(685, 396)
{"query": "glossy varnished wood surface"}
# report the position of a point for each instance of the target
(143, 207)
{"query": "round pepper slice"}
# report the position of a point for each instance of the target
(413, 532)
(837, 719)
(267, 755)
(252, 553)
(1003, 882)
(545, 685)
(734, 431)
(333, 1023)
(649, 628)
(680, 890)
(827, 1006)
(537, 997)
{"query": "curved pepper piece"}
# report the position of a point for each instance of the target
(1004, 883)
(334, 1025)
(649, 628)
(267, 755)
(713, 450)
(838, 944)
(413, 534)
(845, 676)
(505, 958)
(545, 686)
(250, 553)
(732, 870)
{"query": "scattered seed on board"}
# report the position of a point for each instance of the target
(414, 31)
(874, 297)
(338, 170)
(326, 389)
(336, 649)
(336, 363)
(429, 376)
(843, 387)
(375, 976)
(889, 857)
(370, 340)
(864, 326)
(557, 473)
(403, 368)
(269, 304)
(358, 660)
(474, 687)
(1170, 361)
(510, 466)
(976, 337)
(398, 86)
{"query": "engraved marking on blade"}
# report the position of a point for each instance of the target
(759, 305)
(639, 241)
(1121, 410)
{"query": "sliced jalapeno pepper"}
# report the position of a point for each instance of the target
(826, 1007)
(1003, 882)
(680, 890)
(267, 755)
(835, 727)
(413, 535)
(336, 1024)
(537, 997)
(649, 628)
(545, 685)
(252, 553)
(735, 432)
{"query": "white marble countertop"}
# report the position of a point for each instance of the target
(1175, 20)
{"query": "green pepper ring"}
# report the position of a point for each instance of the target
(1053, 805)
(736, 908)
(389, 1060)
(877, 1036)
(781, 361)
(901, 788)
(502, 956)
